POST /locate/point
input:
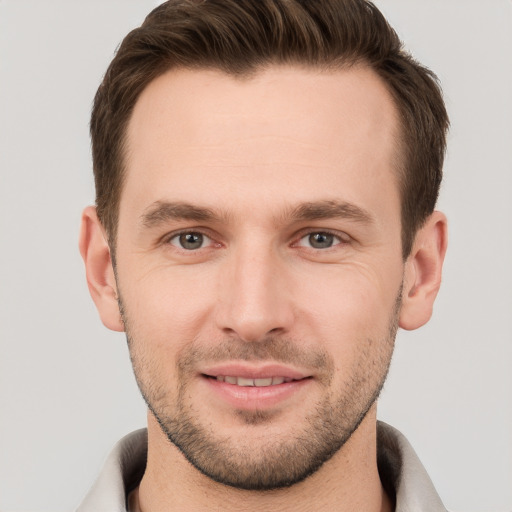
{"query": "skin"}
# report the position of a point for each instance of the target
(263, 164)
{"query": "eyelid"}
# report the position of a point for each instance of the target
(166, 239)
(205, 240)
(343, 237)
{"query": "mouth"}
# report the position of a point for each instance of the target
(256, 382)
(248, 388)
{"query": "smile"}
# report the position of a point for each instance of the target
(246, 386)
(245, 382)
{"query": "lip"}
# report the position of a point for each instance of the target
(251, 398)
(255, 372)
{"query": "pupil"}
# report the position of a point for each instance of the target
(191, 240)
(321, 240)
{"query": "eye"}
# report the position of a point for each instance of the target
(319, 240)
(190, 240)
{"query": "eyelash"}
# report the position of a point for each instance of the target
(342, 239)
(168, 239)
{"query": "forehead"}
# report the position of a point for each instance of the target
(303, 131)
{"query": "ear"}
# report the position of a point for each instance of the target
(423, 272)
(98, 268)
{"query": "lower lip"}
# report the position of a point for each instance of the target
(255, 397)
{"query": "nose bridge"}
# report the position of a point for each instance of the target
(254, 292)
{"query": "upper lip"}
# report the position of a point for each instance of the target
(261, 371)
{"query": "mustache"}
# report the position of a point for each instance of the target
(271, 348)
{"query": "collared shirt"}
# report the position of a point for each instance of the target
(401, 473)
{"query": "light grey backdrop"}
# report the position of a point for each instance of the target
(66, 388)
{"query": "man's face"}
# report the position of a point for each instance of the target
(259, 264)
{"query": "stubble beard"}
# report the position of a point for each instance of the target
(265, 463)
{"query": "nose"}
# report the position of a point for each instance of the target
(255, 295)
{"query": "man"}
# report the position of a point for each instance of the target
(266, 177)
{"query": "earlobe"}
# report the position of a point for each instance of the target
(423, 270)
(98, 268)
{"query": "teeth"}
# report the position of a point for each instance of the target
(263, 382)
(242, 381)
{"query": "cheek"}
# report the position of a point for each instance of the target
(164, 308)
(353, 299)
(352, 316)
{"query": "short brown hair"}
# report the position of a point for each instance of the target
(240, 37)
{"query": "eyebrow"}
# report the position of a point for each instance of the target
(161, 212)
(330, 210)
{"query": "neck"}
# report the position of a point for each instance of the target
(348, 481)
